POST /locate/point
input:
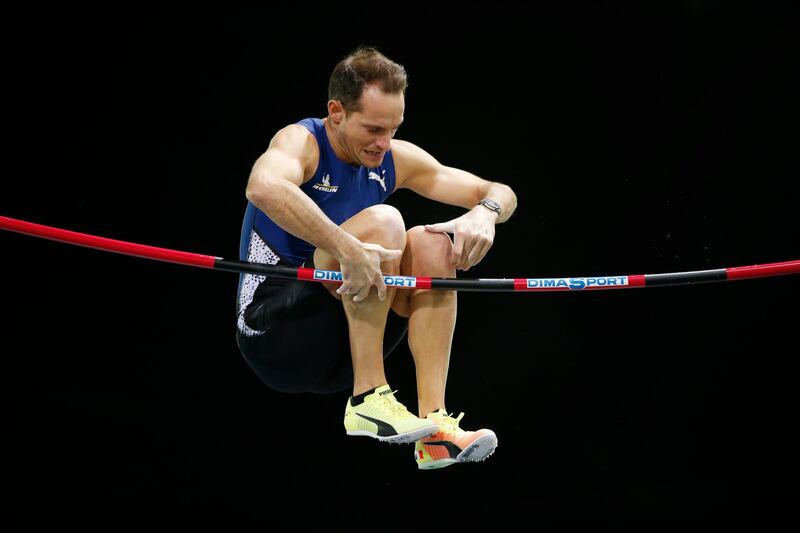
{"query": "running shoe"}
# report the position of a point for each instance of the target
(451, 444)
(378, 414)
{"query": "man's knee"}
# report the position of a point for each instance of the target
(383, 224)
(428, 253)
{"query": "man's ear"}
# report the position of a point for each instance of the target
(336, 111)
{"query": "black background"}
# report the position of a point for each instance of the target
(637, 139)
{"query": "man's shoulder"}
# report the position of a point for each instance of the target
(297, 142)
(311, 124)
(295, 135)
(403, 145)
(411, 161)
(408, 153)
(405, 150)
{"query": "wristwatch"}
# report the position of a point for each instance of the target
(491, 205)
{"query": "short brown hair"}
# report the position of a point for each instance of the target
(363, 67)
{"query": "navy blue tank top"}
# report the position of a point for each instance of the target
(340, 189)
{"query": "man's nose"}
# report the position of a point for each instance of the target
(384, 142)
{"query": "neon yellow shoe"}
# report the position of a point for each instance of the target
(379, 415)
(451, 444)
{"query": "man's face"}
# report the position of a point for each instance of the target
(366, 134)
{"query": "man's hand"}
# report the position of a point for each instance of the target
(473, 235)
(362, 269)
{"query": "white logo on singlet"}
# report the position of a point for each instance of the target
(379, 179)
(326, 186)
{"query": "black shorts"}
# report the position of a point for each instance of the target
(305, 346)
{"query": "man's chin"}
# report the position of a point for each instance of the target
(371, 161)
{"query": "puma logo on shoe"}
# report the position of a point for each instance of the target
(451, 447)
(384, 429)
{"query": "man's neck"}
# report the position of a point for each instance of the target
(333, 139)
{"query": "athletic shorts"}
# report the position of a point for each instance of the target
(302, 342)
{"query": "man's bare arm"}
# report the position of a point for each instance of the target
(473, 232)
(420, 172)
(274, 187)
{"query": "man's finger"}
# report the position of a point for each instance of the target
(381, 286)
(362, 294)
(441, 227)
(468, 247)
(477, 253)
(389, 255)
(483, 251)
(458, 247)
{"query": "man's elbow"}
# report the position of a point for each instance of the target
(260, 191)
(513, 196)
(253, 192)
(508, 192)
(509, 199)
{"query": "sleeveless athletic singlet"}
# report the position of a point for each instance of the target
(340, 189)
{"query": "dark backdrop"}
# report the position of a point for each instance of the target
(638, 140)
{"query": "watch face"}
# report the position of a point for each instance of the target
(491, 204)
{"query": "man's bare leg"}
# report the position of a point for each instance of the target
(431, 314)
(379, 224)
(431, 323)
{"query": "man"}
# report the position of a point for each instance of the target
(316, 198)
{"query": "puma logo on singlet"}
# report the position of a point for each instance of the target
(326, 186)
(379, 179)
